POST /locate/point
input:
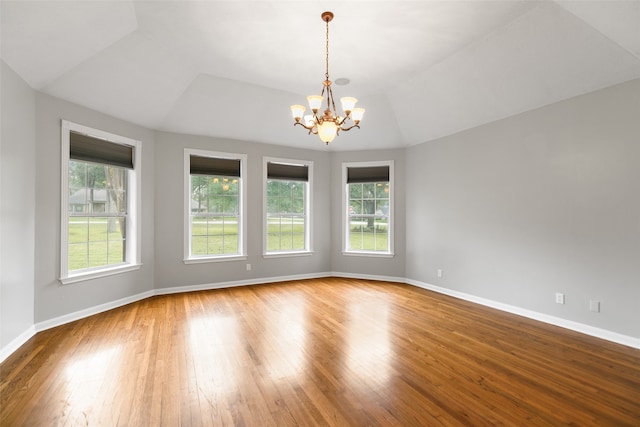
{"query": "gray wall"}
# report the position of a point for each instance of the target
(17, 206)
(513, 211)
(169, 208)
(547, 201)
(53, 299)
(365, 265)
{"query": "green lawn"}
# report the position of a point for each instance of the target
(365, 241)
(214, 236)
(94, 242)
(363, 238)
(285, 234)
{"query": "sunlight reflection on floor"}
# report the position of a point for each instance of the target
(89, 381)
(289, 337)
(214, 346)
(369, 348)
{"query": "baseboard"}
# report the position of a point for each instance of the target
(7, 350)
(17, 342)
(368, 277)
(236, 283)
(81, 314)
(545, 318)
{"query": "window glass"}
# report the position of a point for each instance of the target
(369, 217)
(97, 218)
(214, 215)
(286, 216)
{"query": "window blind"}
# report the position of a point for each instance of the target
(90, 149)
(367, 174)
(214, 166)
(287, 171)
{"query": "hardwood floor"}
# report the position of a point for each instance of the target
(336, 352)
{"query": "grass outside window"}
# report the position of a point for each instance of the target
(94, 242)
(285, 234)
(214, 235)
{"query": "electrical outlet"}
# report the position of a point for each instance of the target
(559, 298)
(248, 267)
(439, 272)
(594, 306)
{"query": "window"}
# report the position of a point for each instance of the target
(100, 229)
(214, 205)
(368, 208)
(287, 206)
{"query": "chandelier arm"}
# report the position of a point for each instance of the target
(309, 128)
(349, 128)
(328, 90)
(330, 100)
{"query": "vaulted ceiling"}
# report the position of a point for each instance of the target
(422, 69)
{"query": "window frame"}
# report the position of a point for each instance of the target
(345, 210)
(242, 202)
(307, 206)
(134, 203)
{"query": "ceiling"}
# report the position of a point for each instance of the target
(422, 69)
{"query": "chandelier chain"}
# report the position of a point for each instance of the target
(327, 49)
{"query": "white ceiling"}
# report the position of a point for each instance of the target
(422, 69)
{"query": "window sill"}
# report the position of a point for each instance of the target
(286, 254)
(369, 254)
(203, 260)
(80, 277)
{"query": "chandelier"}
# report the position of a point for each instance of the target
(328, 124)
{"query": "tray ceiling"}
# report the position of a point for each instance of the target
(422, 69)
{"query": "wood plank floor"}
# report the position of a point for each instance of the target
(337, 352)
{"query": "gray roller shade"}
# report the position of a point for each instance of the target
(214, 166)
(367, 174)
(90, 149)
(287, 172)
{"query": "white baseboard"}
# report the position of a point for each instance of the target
(81, 314)
(368, 277)
(552, 320)
(236, 283)
(7, 350)
(16, 343)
